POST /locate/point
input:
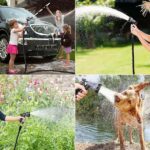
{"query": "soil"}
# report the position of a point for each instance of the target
(108, 146)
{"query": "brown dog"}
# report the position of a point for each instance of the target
(129, 112)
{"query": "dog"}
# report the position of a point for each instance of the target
(129, 112)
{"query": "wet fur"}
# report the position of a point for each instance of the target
(129, 113)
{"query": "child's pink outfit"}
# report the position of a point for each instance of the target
(13, 43)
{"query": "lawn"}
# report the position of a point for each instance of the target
(112, 60)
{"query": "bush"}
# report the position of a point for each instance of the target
(3, 2)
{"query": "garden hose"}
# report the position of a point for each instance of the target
(133, 57)
(19, 130)
(26, 114)
(24, 53)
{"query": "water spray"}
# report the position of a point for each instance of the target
(102, 10)
(98, 88)
(26, 114)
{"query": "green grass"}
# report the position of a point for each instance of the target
(112, 60)
(72, 55)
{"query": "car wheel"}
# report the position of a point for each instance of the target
(3, 46)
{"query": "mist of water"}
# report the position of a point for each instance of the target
(109, 94)
(53, 113)
(99, 10)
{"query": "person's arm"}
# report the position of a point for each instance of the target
(69, 13)
(18, 30)
(144, 35)
(139, 32)
(143, 42)
(50, 12)
(13, 119)
(3, 117)
(135, 32)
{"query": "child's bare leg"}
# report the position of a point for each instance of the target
(67, 58)
(11, 61)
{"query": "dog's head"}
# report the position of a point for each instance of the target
(130, 101)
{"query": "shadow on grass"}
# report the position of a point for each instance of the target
(141, 66)
(85, 51)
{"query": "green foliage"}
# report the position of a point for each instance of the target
(3, 2)
(97, 2)
(92, 29)
(36, 133)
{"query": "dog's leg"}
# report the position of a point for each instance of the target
(116, 140)
(121, 138)
(130, 135)
(141, 137)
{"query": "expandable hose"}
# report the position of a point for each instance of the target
(133, 57)
(19, 130)
(24, 53)
(26, 114)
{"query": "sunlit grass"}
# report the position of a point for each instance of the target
(112, 60)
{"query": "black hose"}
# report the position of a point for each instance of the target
(24, 53)
(133, 59)
(19, 130)
(67, 72)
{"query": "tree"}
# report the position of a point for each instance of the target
(3, 2)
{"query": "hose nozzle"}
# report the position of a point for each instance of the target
(131, 20)
(89, 85)
(26, 114)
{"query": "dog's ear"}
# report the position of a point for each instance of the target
(141, 86)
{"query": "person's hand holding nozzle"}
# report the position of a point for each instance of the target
(21, 119)
(134, 29)
(82, 92)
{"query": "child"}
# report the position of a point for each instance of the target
(3, 117)
(143, 37)
(59, 18)
(12, 46)
(67, 42)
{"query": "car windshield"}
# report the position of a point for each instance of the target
(19, 14)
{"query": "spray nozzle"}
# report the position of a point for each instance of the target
(131, 20)
(26, 114)
(89, 85)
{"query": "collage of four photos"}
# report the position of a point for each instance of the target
(74, 75)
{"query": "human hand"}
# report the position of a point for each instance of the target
(134, 30)
(21, 119)
(82, 94)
